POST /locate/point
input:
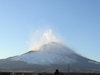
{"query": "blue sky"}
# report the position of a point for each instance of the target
(76, 21)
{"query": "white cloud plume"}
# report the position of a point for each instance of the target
(40, 39)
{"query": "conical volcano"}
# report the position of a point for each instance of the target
(51, 53)
(49, 57)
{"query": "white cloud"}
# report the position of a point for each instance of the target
(39, 39)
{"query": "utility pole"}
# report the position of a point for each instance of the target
(68, 69)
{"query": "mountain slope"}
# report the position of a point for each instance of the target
(50, 57)
(52, 53)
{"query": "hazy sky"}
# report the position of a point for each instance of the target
(76, 21)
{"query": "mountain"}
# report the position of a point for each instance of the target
(49, 57)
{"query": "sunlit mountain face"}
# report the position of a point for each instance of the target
(49, 57)
(51, 53)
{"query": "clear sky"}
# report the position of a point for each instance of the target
(76, 21)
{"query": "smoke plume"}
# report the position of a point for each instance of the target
(41, 38)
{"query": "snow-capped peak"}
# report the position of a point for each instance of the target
(51, 53)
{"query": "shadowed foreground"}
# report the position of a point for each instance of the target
(44, 73)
